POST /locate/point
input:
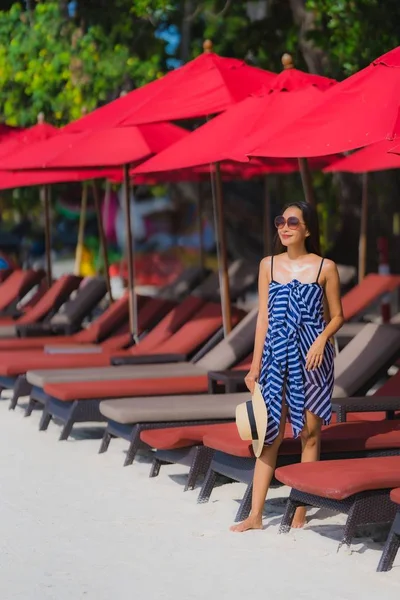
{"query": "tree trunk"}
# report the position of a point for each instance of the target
(315, 57)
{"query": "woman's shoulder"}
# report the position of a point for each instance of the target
(265, 262)
(329, 270)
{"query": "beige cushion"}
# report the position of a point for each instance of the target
(172, 408)
(40, 377)
(7, 331)
(366, 354)
(236, 345)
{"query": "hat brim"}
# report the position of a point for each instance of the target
(261, 419)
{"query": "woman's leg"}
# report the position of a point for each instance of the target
(310, 443)
(263, 473)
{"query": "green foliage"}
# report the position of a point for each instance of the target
(53, 65)
(354, 32)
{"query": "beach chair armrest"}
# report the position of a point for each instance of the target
(226, 381)
(43, 329)
(342, 406)
(148, 359)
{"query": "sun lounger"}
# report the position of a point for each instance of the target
(45, 308)
(358, 487)
(4, 273)
(393, 542)
(386, 349)
(234, 458)
(357, 360)
(188, 280)
(368, 292)
(15, 287)
(242, 275)
(70, 365)
(184, 341)
(75, 401)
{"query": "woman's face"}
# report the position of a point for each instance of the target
(293, 236)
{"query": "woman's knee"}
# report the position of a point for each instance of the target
(310, 437)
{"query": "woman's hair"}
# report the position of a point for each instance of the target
(310, 217)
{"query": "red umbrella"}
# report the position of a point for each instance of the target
(206, 85)
(371, 158)
(8, 131)
(359, 111)
(223, 137)
(376, 157)
(13, 179)
(24, 143)
(24, 139)
(103, 148)
(289, 96)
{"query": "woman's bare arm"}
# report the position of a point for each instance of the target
(262, 321)
(315, 355)
(332, 293)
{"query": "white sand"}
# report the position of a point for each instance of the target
(75, 524)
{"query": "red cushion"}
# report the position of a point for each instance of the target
(339, 479)
(169, 325)
(197, 331)
(391, 387)
(24, 344)
(83, 390)
(52, 299)
(18, 283)
(178, 437)
(395, 495)
(342, 437)
(104, 325)
(18, 363)
(370, 289)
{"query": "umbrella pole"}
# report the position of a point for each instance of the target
(81, 230)
(267, 218)
(306, 180)
(221, 250)
(103, 240)
(362, 246)
(130, 253)
(47, 234)
(202, 258)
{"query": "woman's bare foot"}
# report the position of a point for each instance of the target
(299, 519)
(249, 523)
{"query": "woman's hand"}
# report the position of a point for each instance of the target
(251, 379)
(315, 355)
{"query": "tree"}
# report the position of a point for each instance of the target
(61, 67)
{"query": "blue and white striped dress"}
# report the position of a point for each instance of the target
(295, 319)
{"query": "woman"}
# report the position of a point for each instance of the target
(293, 354)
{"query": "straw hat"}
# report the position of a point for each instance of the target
(252, 420)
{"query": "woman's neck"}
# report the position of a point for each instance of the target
(294, 253)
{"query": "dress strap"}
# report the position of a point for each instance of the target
(320, 269)
(272, 267)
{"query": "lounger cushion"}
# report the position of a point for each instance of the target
(339, 479)
(172, 408)
(341, 437)
(236, 344)
(103, 325)
(369, 351)
(52, 300)
(17, 285)
(395, 495)
(168, 326)
(53, 371)
(25, 361)
(172, 438)
(368, 291)
(83, 390)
